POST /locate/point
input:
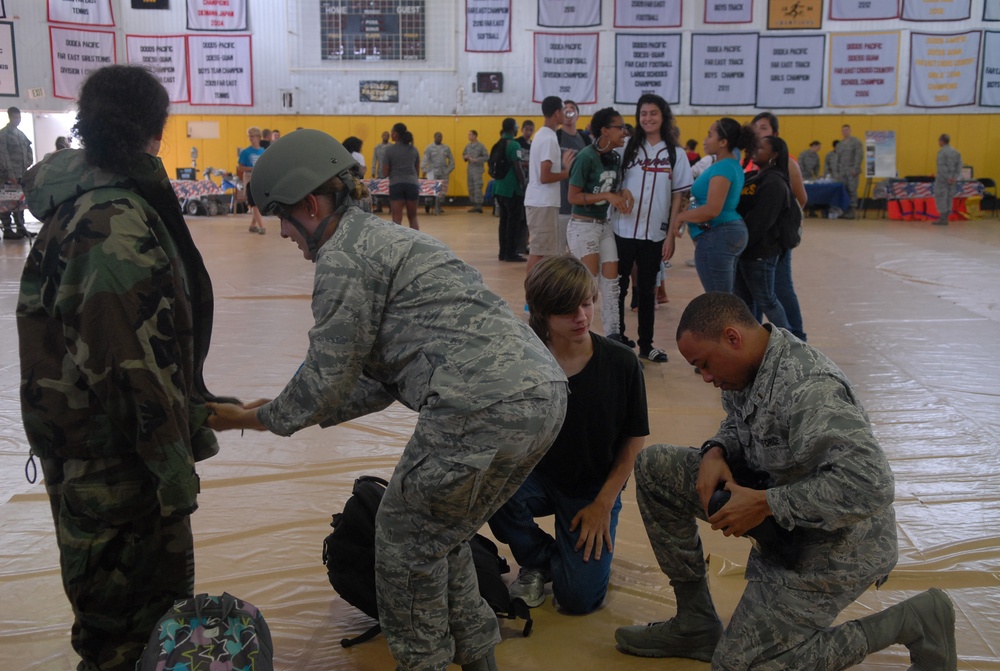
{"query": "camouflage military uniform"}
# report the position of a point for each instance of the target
(114, 320)
(399, 317)
(438, 160)
(477, 155)
(829, 481)
(850, 157)
(949, 167)
(15, 158)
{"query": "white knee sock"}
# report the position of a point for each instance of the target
(609, 305)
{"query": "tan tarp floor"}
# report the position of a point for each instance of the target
(910, 311)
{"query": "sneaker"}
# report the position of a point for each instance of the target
(475, 209)
(529, 587)
(620, 337)
(665, 639)
(655, 355)
(689, 262)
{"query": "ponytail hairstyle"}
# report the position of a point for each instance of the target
(780, 148)
(120, 110)
(736, 136)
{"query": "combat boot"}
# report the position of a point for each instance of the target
(925, 624)
(9, 234)
(693, 633)
(485, 663)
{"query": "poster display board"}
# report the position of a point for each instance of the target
(723, 69)
(566, 66)
(880, 153)
(864, 69)
(647, 63)
(790, 71)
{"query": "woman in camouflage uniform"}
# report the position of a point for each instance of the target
(400, 318)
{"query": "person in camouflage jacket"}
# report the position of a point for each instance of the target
(797, 456)
(400, 318)
(114, 319)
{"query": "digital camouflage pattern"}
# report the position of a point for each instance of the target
(455, 473)
(15, 153)
(477, 155)
(801, 423)
(949, 167)
(850, 156)
(114, 322)
(399, 317)
(439, 160)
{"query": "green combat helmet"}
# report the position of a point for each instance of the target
(295, 166)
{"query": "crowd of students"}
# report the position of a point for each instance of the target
(515, 420)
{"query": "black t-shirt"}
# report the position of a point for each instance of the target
(607, 405)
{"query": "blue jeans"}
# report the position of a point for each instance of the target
(716, 254)
(579, 586)
(755, 285)
(785, 291)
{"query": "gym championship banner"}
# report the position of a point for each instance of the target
(75, 54)
(221, 15)
(864, 69)
(795, 15)
(936, 10)
(729, 11)
(649, 13)
(86, 12)
(487, 25)
(943, 69)
(863, 10)
(220, 70)
(647, 63)
(566, 66)
(991, 10)
(790, 71)
(8, 61)
(723, 69)
(989, 91)
(570, 13)
(164, 56)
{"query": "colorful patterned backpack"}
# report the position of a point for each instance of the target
(209, 633)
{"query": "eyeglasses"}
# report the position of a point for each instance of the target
(618, 127)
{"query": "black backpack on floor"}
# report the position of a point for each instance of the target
(349, 556)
